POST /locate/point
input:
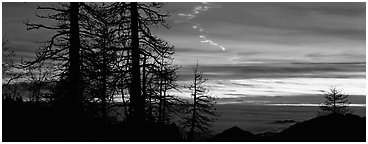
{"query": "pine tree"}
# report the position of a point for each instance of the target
(335, 102)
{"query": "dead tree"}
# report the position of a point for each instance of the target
(10, 71)
(201, 111)
(39, 76)
(63, 47)
(9, 66)
(134, 31)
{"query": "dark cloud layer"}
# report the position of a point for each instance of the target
(307, 17)
(306, 70)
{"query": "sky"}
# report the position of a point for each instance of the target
(308, 42)
(268, 32)
(241, 32)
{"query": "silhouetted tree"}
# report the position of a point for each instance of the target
(169, 105)
(201, 110)
(11, 74)
(9, 70)
(103, 49)
(335, 101)
(7, 61)
(75, 95)
(127, 50)
(100, 57)
(137, 100)
(110, 48)
(144, 50)
(63, 47)
(38, 76)
(161, 80)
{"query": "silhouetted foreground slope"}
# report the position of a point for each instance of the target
(24, 122)
(329, 128)
(333, 127)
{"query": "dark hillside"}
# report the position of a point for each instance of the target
(234, 134)
(333, 127)
(329, 128)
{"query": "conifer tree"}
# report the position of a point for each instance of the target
(335, 102)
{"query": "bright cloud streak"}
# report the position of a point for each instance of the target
(281, 87)
(314, 105)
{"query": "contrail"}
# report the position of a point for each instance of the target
(203, 33)
(198, 9)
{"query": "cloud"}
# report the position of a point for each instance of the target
(189, 50)
(355, 9)
(288, 16)
(281, 90)
(278, 70)
(339, 55)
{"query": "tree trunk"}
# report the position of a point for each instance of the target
(135, 91)
(124, 103)
(144, 79)
(150, 105)
(160, 97)
(164, 100)
(191, 136)
(38, 93)
(104, 77)
(74, 98)
(334, 103)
